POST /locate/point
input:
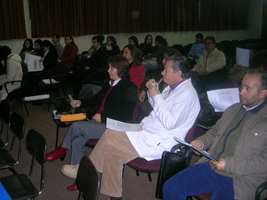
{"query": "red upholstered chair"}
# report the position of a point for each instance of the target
(153, 166)
(203, 196)
(91, 143)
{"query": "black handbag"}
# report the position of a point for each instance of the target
(171, 163)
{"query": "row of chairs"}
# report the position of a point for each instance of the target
(19, 186)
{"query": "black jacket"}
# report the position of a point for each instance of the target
(120, 101)
(99, 59)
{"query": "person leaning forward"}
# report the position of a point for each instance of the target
(238, 141)
(174, 112)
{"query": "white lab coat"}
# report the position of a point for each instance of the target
(173, 114)
(14, 72)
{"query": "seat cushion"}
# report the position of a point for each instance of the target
(143, 165)
(1, 143)
(19, 187)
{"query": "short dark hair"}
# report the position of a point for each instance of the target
(180, 63)
(39, 41)
(211, 38)
(113, 39)
(4, 52)
(161, 40)
(200, 35)
(102, 37)
(120, 63)
(99, 40)
(263, 75)
(56, 35)
(133, 38)
(47, 43)
(172, 52)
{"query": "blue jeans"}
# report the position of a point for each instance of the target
(198, 179)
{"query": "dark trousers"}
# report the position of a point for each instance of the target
(198, 179)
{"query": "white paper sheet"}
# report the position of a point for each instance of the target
(37, 97)
(242, 57)
(223, 98)
(33, 63)
(122, 126)
(204, 153)
(47, 81)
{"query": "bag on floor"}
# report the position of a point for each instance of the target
(171, 164)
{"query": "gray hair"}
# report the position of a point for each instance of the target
(180, 63)
(263, 76)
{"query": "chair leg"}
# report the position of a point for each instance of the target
(149, 177)
(26, 108)
(80, 197)
(137, 172)
(57, 136)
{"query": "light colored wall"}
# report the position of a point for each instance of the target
(184, 38)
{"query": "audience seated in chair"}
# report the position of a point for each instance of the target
(27, 47)
(137, 70)
(50, 56)
(12, 62)
(144, 106)
(157, 53)
(116, 100)
(238, 141)
(112, 46)
(132, 40)
(174, 113)
(70, 52)
(147, 47)
(94, 62)
(38, 50)
(57, 45)
(210, 71)
(197, 49)
(237, 72)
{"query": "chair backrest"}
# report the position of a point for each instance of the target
(18, 127)
(191, 133)
(37, 147)
(5, 111)
(88, 180)
(12, 82)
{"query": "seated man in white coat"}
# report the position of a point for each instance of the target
(174, 113)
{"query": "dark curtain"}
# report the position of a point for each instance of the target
(12, 20)
(82, 17)
(220, 15)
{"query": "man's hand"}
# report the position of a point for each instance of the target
(198, 145)
(90, 52)
(75, 103)
(142, 96)
(152, 88)
(202, 72)
(97, 118)
(87, 68)
(220, 165)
